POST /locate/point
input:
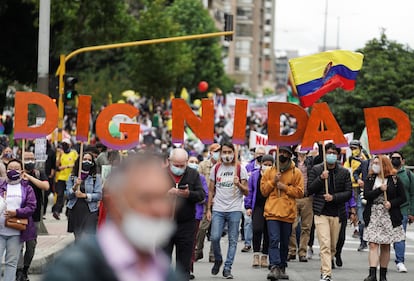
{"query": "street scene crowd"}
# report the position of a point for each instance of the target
(163, 199)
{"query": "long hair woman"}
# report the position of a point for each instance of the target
(20, 202)
(84, 193)
(384, 193)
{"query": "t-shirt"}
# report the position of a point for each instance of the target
(13, 201)
(67, 159)
(228, 197)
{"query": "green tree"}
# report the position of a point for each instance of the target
(205, 53)
(384, 80)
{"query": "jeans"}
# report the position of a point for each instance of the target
(11, 245)
(218, 220)
(260, 232)
(248, 230)
(279, 234)
(399, 247)
(303, 225)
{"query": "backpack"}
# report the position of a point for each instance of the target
(216, 168)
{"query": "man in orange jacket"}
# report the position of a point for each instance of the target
(281, 188)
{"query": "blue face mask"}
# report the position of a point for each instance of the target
(193, 166)
(177, 171)
(215, 155)
(331, 158)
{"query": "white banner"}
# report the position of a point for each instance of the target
(256, 139)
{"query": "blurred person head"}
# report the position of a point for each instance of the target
(387, 168)
(355, 146)
(258, 153)
(88, 165)
(29, 161)
(178, 161)
(66, 145)
(332, 153)
(267, 162)
(136, 196)
(7, 154)
(397, 159)
(227, 153)
(193, 162)
(285, 155)
(214, 152)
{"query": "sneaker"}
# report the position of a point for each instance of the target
(282, 274)
(216, 267)
(56, 215)
(356, 234)
(303, 259)
(401, 267)
(363, 246)
(309, 253)
(198, 256)
(246, 249)
(274, 273)
(338, 260)
(227, 274)
(326, 278)
(291, 257)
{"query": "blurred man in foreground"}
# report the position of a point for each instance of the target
(128, 246)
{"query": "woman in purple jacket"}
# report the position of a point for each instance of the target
(254, 204)
(21, 203)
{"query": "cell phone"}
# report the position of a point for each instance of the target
(184, 186)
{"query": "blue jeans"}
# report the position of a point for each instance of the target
(218, 220)
(12, 246)
(399, 247)
(279, 234)
(248, 230)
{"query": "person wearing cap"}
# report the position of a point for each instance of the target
(204, 169)
(304, 209)
(254, 204)
(352, 163)
(67, 159)
(329, 206)
(281, 188)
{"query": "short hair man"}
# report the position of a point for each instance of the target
(129, 244)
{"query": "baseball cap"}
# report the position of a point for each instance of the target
(214, 147)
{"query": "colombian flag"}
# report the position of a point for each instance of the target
(319, 74)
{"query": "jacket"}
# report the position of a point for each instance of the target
(186, 206)
(342, 188)
(26, 210)
(407, 178)
(93, 189)
(395, 195)
(85, 261)
(281, 205)
(250, 199)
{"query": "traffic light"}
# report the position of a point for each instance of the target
(54, 88)
(228, 26)
(70, 92)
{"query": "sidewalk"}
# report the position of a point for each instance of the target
(51, 244)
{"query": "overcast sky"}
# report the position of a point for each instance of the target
(300, 23)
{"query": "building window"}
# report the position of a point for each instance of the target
(244, 13)
(244, 30)
(242, 64)
(243, 47)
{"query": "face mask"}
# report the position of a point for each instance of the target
(66, 148)
(13, 175)
(145, 233)
(283, 158)
(259, 158)
(376, 168)
(264, 168)
(29, 165)
(177, 171)
(8, 155)
(193, 166)
(87, 165)
(215, 156)
(396, 162)
(227, 158)
(331, 158)
(356, 152)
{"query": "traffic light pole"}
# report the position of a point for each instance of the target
(63, 59)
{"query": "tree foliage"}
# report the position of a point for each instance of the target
(384, 80)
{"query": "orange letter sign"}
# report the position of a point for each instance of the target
(131, 130)
(84, 112)
(372, 117)
(239, 124)
(21, 104)
(322, 114)
(202, 127)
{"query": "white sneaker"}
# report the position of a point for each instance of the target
(401, 267)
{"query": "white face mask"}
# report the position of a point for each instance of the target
(145, 233)
(376, 168)
(227, 158)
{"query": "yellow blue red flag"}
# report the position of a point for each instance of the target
(319, 74)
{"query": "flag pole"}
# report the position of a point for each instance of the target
(325, 168)
(23, 149)
(277, 166)
(236, 160)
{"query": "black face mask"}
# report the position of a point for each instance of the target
(66, 148)
(396, 162)
(259, 158)
(283, 158)
(29, 166)
(86, 166)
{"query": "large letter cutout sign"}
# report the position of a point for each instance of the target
(372, 116)
(202, 127)
(239, 124)
(322, 114)
(132, 130)
(84, 112)
(275, 109)
(21, 117)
